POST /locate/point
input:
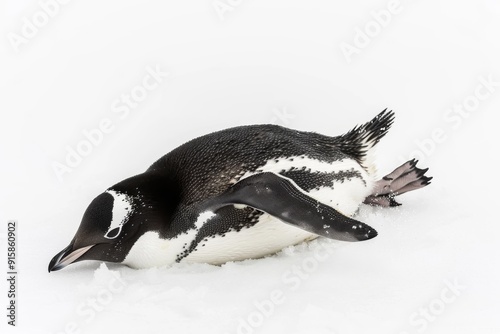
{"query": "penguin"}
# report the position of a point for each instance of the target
(240, 193)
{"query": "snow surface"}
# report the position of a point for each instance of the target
(275, 61)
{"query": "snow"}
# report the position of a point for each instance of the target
(433, 268)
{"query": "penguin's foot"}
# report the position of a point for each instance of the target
(405, 178)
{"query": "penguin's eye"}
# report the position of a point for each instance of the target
(113, 233)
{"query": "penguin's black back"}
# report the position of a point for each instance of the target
(208, 165)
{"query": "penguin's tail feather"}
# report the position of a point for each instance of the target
(359, 142)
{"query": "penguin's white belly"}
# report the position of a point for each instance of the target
(268, 236)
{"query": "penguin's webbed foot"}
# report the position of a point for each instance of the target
(405, 178)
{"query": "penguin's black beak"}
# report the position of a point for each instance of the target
(67, 256)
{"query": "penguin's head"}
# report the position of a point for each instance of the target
(114, 220)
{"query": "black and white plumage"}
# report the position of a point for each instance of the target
(240, 193)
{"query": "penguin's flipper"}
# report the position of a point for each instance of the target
(282, 198)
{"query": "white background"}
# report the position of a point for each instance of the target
(255, 63)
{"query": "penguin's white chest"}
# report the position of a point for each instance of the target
(269, 235)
